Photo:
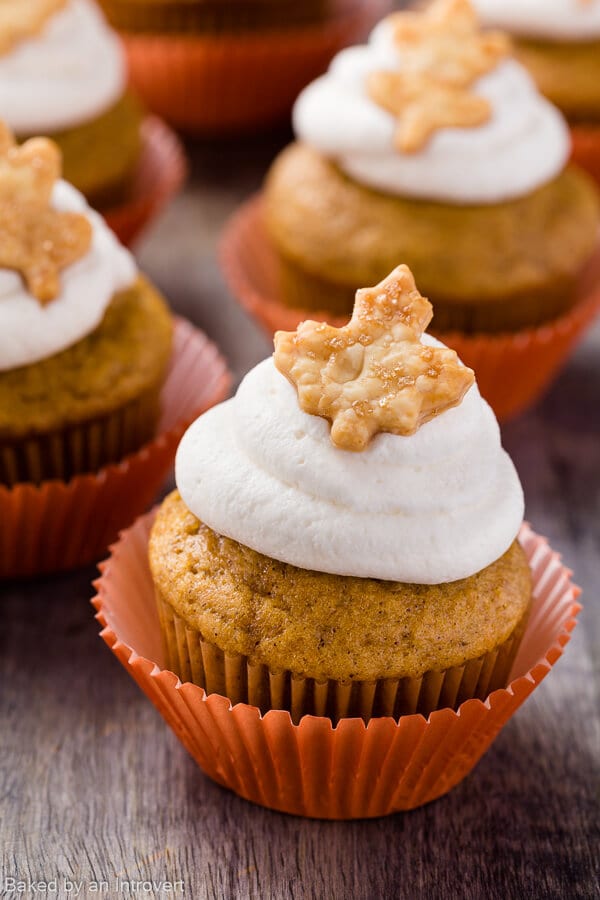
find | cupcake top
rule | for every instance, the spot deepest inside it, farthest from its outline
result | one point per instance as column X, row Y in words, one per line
column 560, row 20
column 60, row 65
column 60, row 264
column 433, row 107
column 364, row 451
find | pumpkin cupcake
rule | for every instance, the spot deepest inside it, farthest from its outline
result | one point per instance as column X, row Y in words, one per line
column 84, row 339
column 62, row 73
column 343, row 537
column 560, row 45
column 432, row 145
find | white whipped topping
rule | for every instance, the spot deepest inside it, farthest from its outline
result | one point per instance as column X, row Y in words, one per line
column 563, row 20
column 524, row 145
column 430, row 508
column 29, row 331
column 73, row 71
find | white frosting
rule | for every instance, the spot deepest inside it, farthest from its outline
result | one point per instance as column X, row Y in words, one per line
column 73, row 71
column 524, row 145
column 29, row 331
column 563, row 20
column 430, row 508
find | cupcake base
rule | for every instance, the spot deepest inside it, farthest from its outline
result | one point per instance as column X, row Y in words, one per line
column 99, row 156
column 197, row 660
column 313, row 769
column 93, row 403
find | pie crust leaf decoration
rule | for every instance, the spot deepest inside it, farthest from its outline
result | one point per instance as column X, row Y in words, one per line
column 423, row 106
column 441, row 53
column 374, row 374
column 36, row 240
column 22, row 19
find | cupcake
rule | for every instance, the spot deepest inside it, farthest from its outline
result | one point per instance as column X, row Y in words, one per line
column 84, row 339
column 432, row 145
column 560, row 45
column 217, row 66
column 343, row 538
column 63, row 74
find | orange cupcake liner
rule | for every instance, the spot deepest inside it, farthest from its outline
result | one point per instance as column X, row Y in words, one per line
column 225, row 82
column 60, row 525
column 513, row 369
column 586, row 148
column 160, row 173
column 313, row 769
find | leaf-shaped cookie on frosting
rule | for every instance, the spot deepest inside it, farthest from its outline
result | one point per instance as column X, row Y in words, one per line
column 374, row 374
column 441, row 53
column 36, row 240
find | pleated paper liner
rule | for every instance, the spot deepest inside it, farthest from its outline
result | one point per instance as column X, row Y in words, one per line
column 586, row 148
column 192, row 658
column 87, row 447
column 313, row 769
column 512, row 369
column 160, row 173
column 61, row 525
column 228, row 82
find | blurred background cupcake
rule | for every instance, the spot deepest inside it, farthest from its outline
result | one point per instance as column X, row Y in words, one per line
column 63, row 73
column 433, row 145
column 559, row 42
column 212, row 66
column 85, row 340
column 97, row 380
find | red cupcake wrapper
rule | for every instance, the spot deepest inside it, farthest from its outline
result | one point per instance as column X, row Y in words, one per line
column 159, row 175
column 512, row 369
column 221, row 82
column 61, row 525
column 313, row 769
column 586, row 148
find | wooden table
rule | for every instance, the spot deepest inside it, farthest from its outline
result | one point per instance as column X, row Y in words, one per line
column 94, row 786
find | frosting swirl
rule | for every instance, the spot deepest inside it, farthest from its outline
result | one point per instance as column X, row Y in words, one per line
column 566, row 20
column 70, row 73
column 30, row 331
column 433, row 507
column 523, row 146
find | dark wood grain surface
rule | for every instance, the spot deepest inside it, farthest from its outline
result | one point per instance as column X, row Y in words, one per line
column 94, row 786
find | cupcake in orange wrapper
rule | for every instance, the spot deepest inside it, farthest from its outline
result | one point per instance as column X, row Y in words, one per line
column 431, row 145
column 342, row 577
column 85, row 348
column 63, row 73
column 217, row 67
column 559, row 42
